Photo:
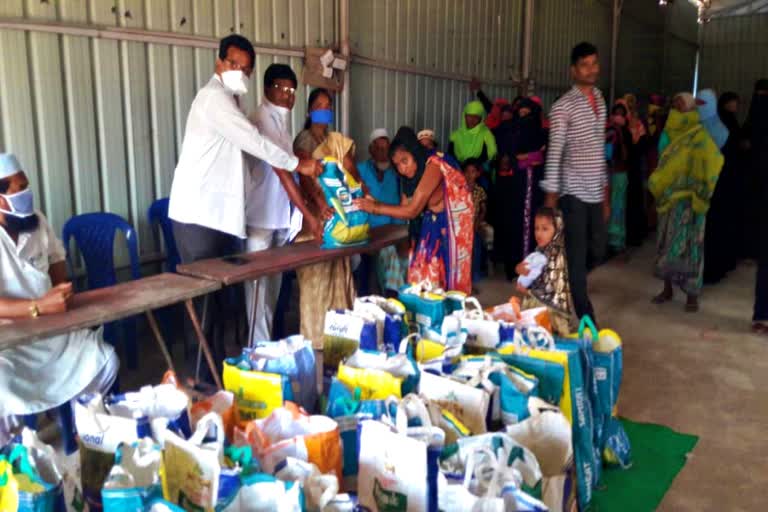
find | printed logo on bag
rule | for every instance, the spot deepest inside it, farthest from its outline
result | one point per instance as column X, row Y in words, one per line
column 388, row 501
column 343, row 326
column 601, row 373
column 93, row 439
column 580, row 406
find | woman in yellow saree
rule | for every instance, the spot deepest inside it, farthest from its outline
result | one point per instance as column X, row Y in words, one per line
column 682, row 185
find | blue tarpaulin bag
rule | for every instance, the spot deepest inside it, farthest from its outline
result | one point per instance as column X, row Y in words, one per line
column 349, row 225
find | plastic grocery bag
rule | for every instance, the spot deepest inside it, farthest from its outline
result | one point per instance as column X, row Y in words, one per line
column 293, row 358
column 425, row 304
column 291, row 432
column 349, row 225
column 257, row 394
column 134, row 481
column 467, row 403
column 190, row 470
column 34, row 477
column 260, row 492
column 319, row 489
column 344, row 332
column 509, row 387
column 390, row 320
column 223, row 404
column 440, row 347
column 400, row 365
column 547, row 433
column 395, row 469
column 482, row 330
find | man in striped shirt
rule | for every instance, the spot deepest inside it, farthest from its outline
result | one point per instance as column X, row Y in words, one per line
column 575, row 177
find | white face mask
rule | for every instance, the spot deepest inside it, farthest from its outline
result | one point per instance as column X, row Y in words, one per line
column 235, row 81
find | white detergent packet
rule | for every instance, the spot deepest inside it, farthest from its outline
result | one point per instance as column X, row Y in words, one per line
column 138, row 466
column 99, row 430
column 319, row 489
column 191, row 469
column 163, row 401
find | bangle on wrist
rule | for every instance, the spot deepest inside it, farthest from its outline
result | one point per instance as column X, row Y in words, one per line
column 34, row 311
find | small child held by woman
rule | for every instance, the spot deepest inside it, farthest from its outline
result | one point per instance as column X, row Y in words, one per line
column 544, row 273
column 473, row 170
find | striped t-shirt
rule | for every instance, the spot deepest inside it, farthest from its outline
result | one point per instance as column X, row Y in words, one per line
column 576, row 152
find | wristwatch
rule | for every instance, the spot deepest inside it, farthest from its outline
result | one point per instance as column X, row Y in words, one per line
column 34, row 311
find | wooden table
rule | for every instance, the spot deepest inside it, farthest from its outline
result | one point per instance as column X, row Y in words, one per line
column 96, row 307
column 279, row 259
column 289, row 257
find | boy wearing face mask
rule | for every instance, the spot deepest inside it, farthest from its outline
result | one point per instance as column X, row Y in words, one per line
column 44, row 374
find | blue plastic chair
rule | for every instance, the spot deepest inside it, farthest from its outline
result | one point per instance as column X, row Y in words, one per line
column 158, row 215
column 94, row 234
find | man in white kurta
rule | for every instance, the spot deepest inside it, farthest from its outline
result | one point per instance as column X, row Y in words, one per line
column 44, row 374
column 274, row 208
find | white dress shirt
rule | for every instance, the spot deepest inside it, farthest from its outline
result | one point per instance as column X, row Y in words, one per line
column 209, row 182
column 267, row 204
column 45, row 373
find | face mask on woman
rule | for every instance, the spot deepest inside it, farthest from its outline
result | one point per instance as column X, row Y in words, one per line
column 235, row 82
column 323, row 116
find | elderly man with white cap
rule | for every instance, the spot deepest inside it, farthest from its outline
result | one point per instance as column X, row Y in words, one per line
column 382, row 182
column 44, row 374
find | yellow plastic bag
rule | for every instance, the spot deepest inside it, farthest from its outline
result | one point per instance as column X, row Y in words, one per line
column 9, row 488
column 257, row 393
column 373, row 384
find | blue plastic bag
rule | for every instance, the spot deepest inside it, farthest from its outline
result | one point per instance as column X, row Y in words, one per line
column 50, row 497
column 121, row 494
column 426, row 308
column 349, row 225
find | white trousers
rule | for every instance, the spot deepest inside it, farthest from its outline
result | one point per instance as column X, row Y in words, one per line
column 101, row 383
column 268, row 287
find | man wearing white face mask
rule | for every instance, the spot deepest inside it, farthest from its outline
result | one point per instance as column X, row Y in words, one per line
column 207, row 203
column 274, row 206
column 208, row 193
column 44, row 374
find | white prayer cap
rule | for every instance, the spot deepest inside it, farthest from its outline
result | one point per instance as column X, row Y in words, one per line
column 8, row 165
column 426, row 134
column 377, row 134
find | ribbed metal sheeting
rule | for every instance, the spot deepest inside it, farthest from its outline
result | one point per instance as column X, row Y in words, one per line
column 558, row 27
column 97, row 123
column 466, row 37
column 641, row 46
column 734, row 55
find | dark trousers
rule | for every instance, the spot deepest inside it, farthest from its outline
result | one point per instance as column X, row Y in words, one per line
column 585, row 244
column 226, row 306
column 761, row 294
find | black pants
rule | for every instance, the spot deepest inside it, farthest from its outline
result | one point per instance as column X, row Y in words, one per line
column 226, row 306
column 585, row 244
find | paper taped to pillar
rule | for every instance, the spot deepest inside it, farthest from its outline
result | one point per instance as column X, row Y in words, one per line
column 323, row 68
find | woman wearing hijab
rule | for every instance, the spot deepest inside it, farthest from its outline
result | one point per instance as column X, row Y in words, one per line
column 517, row 184
column 758, row 121
column 618, row 136
column 327, row 285
column 636, row 218
column 683, row 184
column 474, row 139
column 436, row 200
column 552, row 289
column 722, row 240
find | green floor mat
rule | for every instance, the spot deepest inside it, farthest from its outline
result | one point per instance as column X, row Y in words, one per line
column 658, row 455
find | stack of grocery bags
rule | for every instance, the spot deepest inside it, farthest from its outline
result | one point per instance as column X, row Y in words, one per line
column 428, row 403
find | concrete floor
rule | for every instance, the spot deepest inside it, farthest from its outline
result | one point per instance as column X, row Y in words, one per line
column 703, row 374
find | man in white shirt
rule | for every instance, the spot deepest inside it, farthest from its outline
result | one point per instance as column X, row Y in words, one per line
column 43, row 374
column 207, row 201
column 207, row 204
column 274, row 206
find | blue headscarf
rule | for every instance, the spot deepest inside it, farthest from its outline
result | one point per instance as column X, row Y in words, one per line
column 709, row 118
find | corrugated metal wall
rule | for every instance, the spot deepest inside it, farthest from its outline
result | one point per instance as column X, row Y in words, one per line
column 465, row 37
column 641, row 46
column 98, row 123
column 734, row 55
column 558, row 27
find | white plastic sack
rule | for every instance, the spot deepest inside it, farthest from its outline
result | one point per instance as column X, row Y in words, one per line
column 319, row 489
column 469, row 404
